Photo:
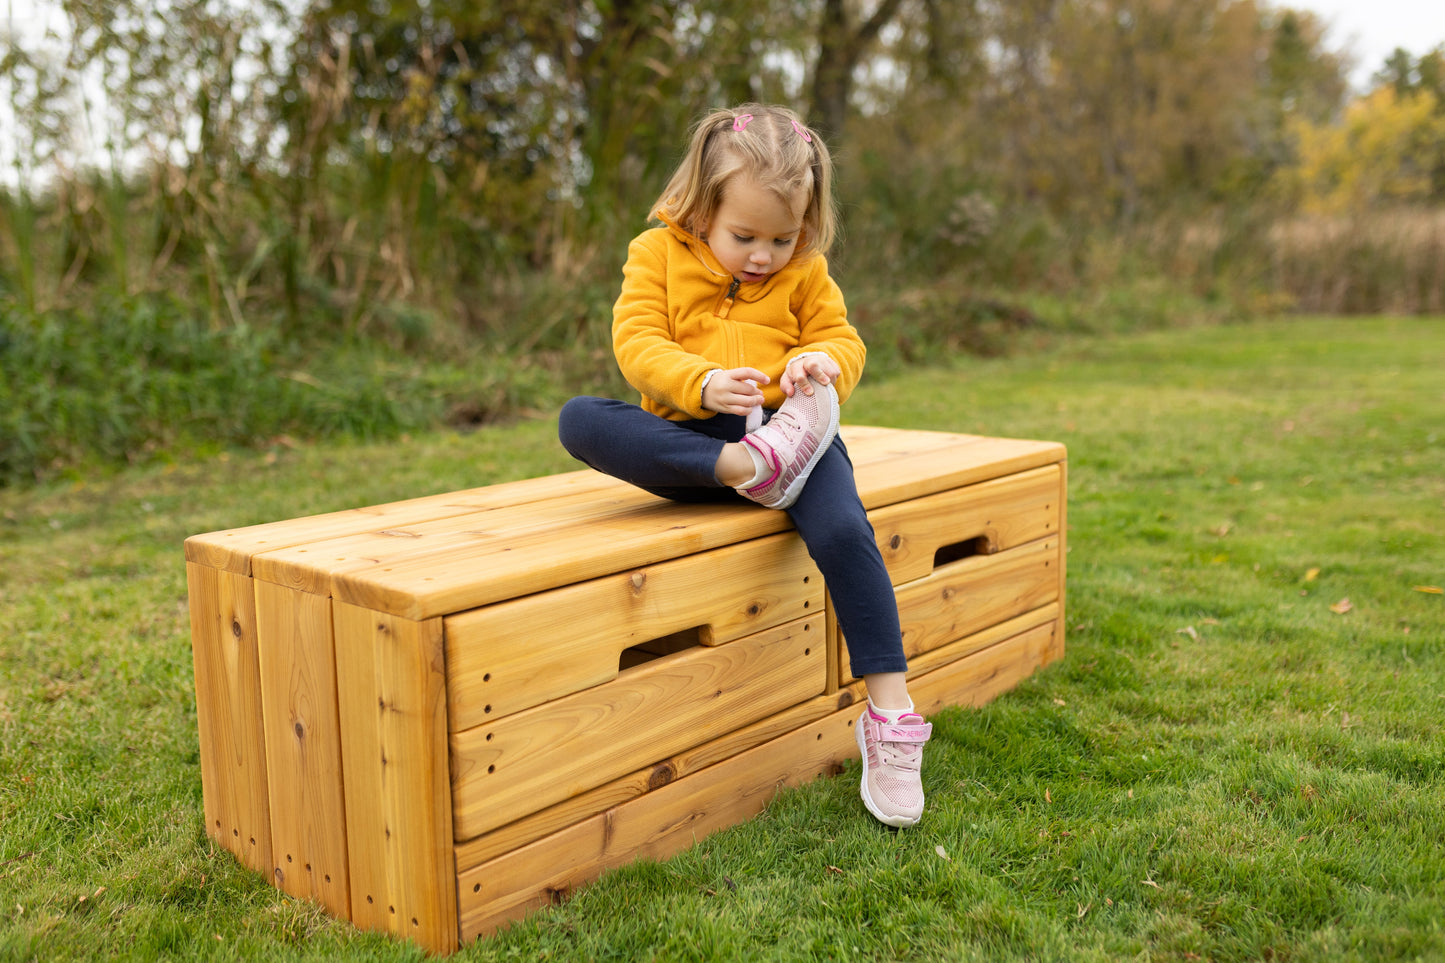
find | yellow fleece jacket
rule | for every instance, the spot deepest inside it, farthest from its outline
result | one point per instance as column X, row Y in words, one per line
column 680, row 316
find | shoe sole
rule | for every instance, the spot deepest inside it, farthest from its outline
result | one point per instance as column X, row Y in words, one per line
column 897, row 822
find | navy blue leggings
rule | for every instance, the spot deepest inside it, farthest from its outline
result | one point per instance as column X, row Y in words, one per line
column 675, row 459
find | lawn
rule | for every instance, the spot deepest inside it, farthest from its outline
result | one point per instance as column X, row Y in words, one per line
column 1239, row 758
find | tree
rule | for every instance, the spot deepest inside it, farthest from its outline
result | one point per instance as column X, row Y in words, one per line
column 841, row 48
column 1386, row 149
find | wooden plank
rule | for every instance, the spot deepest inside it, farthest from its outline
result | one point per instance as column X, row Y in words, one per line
column 1000, row 514
column 510, row 656
column 473, row 852
column 934, row 659
column 527, row 761
column 389, row 673
column 432, row 568
column 314, row 566
column 228, row 714
column 894, row 465
column 233, row 549
column 1063, row 547
column 437, row 572
column 677, row 815
column 653, row 827
column 966, row 596
column 303, row 746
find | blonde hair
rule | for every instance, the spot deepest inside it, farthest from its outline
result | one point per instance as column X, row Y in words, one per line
column 767, row 144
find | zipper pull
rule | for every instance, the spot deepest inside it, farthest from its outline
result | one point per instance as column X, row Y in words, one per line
column 733, row 288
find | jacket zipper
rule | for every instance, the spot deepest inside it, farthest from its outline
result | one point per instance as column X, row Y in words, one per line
column 726, row 308
column 726, row 313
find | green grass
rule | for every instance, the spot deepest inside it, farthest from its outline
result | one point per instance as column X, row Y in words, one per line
column 1223, row 767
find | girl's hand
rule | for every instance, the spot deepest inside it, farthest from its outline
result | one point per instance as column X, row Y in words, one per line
column 734, row 392
column 819, row 367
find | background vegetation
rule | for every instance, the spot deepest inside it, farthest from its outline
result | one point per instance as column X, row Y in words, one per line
column 227, row 222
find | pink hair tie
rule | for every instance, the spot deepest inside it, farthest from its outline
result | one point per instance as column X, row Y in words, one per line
column 741, row 122
column 801, row 132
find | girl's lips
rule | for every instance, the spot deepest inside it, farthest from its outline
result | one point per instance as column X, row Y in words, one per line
column 751, row 276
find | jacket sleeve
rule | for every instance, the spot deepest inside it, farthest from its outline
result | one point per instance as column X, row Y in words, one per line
column 824, row 326
column 642, row 337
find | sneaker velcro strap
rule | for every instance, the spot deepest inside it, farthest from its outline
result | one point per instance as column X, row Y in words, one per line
column 889, row 732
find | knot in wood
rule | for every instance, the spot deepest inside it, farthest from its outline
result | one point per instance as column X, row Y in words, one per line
column 661, row 776
column 639, row 579
column 895, row 541
column 236, row 628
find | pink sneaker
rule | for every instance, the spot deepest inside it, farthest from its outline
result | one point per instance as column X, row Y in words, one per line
column 892, row 788
column 792, row 442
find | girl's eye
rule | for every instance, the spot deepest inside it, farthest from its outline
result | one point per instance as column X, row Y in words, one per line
column 783, row 241
column 742, row 240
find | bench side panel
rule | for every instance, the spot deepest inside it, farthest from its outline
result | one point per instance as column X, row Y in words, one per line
column 392, row 695
column 228, row 713
column 303, row 746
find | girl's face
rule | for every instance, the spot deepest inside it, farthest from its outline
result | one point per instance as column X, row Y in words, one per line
column 752, row 232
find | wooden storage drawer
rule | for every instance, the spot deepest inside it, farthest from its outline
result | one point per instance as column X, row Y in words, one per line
column 969, row 558
column 919, row 536
column 513, row 767
column 509, row 656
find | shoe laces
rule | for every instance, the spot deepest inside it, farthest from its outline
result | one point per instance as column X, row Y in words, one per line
column 900, row 755
column 788, row 424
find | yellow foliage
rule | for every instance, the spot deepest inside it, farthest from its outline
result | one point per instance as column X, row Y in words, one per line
column 1383, row 150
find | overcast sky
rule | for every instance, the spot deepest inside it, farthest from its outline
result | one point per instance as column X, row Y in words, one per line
column 1372, row 29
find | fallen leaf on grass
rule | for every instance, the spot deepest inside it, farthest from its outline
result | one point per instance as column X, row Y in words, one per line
column 1047, row 797
column 1312, row 574
column 1430, row 589
column 839, row 872
column 1342, row 606
column 1189, row 631
column 1149, row 882
column 942, row 852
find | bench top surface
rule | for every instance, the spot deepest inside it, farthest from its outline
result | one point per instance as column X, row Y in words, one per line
column 441, row 554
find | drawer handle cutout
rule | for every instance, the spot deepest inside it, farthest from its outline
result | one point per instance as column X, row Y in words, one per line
column 968, row 548
column 654, row 649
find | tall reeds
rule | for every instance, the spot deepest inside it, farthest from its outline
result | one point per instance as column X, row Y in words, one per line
column 1386, row 261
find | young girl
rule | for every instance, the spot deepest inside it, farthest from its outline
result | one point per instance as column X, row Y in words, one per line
column 738, row 340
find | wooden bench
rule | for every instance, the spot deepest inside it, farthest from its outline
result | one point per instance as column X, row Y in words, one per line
column 435, row 715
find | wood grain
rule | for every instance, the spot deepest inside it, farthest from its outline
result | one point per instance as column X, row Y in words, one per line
column 527, row 761
column 228, row 714
column 513, row 655
column 398, row 799
column 676, row 816
column 303, row 746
